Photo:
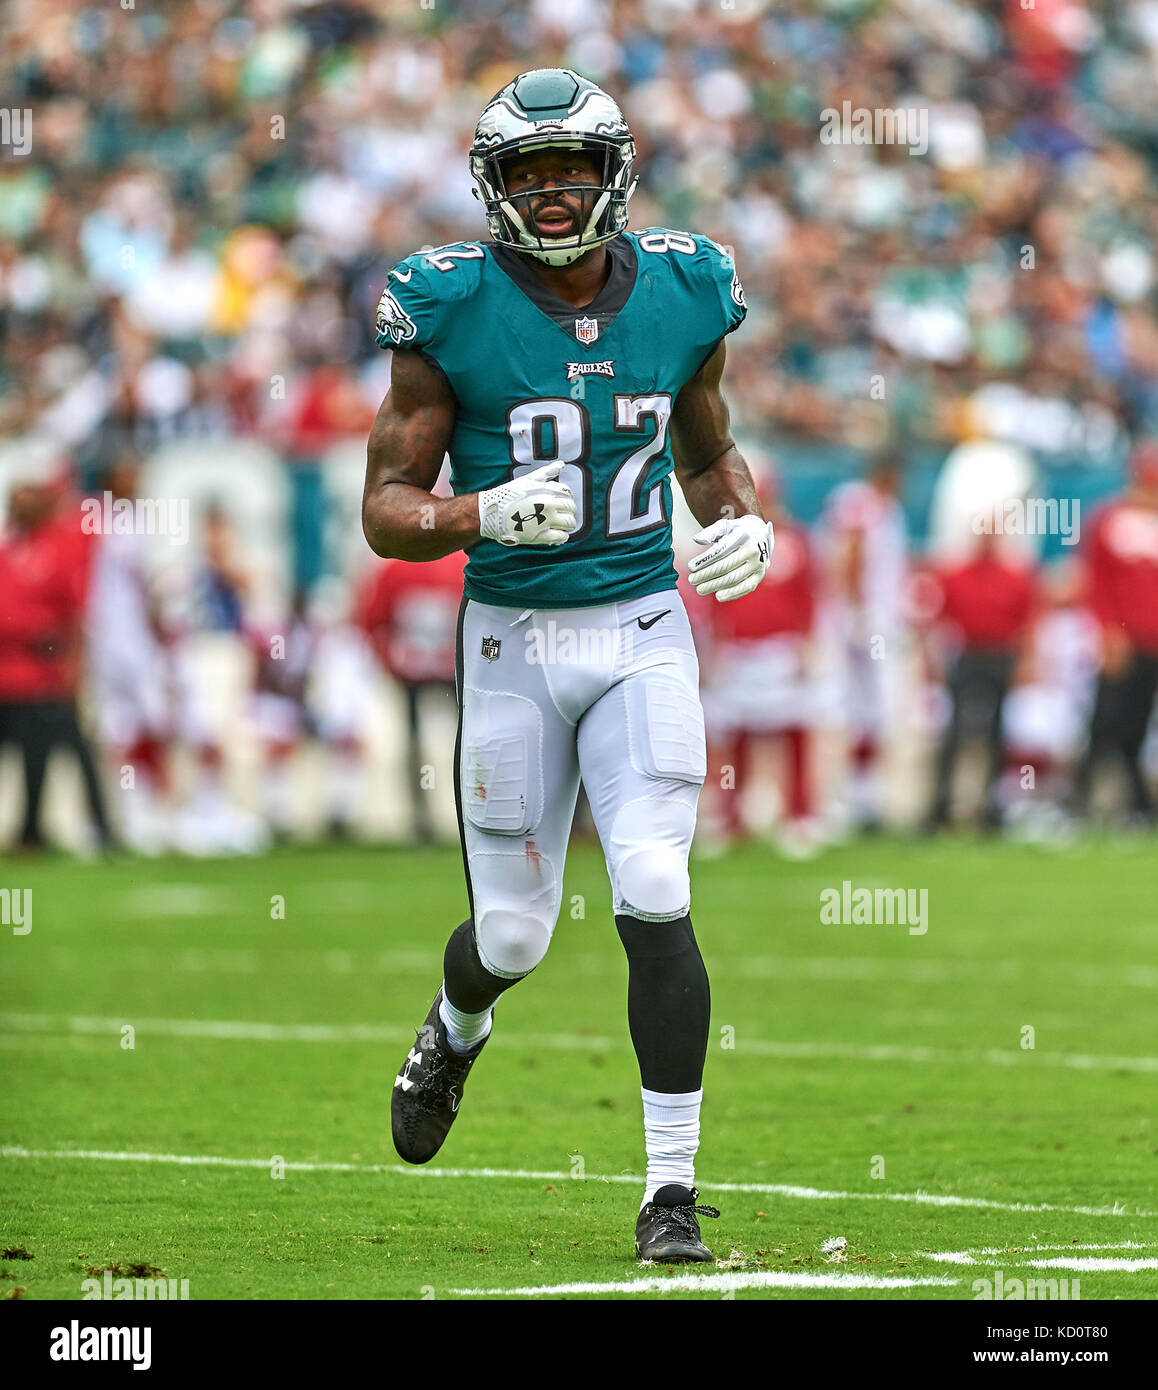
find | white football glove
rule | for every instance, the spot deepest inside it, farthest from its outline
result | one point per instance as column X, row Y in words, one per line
column 736, row 559
column 534, row 509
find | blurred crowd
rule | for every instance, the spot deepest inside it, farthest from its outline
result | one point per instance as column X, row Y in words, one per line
column 200, row 229
column 196, row 229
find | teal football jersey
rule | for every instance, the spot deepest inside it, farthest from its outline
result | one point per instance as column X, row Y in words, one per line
column 538, row 381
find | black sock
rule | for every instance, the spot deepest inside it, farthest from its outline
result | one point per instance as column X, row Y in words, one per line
column 668, row 1002
column 470, row 986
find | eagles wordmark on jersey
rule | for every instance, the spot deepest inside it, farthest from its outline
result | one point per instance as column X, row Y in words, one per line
column 537, row 381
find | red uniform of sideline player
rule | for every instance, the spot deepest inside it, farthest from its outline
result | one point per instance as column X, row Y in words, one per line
column 410, row 614
column 44, row 571
column 986, row 607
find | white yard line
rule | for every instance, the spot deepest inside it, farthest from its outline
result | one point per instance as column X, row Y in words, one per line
column 989, row 1253
column 533, row 1175
column 892, row 970
column 194, row 900
column 1092, row 1264
column 715, row 1283
column 886, row 1052
column 245, row 1030
column 207, row 901
column 222, row 1161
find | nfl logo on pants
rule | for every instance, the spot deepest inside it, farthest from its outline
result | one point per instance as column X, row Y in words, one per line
column 491, row 646
column 586, row 330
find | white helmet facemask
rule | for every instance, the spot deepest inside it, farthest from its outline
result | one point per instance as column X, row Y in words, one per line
column 546, row 109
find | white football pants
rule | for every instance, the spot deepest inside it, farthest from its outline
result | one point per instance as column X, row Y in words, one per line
column 609, row 694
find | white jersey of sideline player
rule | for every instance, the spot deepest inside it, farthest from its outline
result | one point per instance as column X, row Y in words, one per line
column 858, row 508
column 1048, row 715
column 129, row 675
column 126, row 659
column 861, row 629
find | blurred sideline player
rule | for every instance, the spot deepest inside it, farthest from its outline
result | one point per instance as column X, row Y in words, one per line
column 311, row 680
column 129, row 673
column 864, row 525
column 340, row 695
column 44, row 573
column 409, row 613
column 209, row 822
column 566, row 365
column 1122, row 552
column 983, row 621
column 1047, row 711
column 758, row 687
column 282, row 662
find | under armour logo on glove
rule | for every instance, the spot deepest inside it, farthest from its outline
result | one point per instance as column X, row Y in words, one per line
column 540, row 515
column 532, row 509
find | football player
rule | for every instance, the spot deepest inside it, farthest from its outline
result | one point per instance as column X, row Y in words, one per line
column 864, row 525
column 567, row 365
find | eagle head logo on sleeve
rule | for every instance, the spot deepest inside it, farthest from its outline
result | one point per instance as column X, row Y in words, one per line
column 394, row 324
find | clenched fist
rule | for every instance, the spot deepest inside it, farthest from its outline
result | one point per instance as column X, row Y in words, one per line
column 736, row 558
column 534, row 509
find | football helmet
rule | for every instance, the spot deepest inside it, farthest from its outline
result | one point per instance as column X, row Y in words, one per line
column 544, row 108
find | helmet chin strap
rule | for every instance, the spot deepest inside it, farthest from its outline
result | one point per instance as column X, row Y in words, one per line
column 560, row 258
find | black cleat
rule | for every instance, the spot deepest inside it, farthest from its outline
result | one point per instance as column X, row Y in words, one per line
column 667, row 1230
column 428, row 1090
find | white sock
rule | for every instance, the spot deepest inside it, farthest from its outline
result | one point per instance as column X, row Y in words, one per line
column 671, row 1131
column 464, row 1032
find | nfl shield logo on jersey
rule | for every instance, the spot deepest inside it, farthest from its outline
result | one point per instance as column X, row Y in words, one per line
column 586, row 330
column 491, row 646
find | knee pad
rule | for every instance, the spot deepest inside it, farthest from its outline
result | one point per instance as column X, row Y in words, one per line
column 647, row 859
column 516, row 902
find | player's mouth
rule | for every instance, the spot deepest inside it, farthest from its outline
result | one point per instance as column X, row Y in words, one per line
column 554, row 221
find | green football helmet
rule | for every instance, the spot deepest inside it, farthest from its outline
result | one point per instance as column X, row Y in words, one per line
column 545, row 108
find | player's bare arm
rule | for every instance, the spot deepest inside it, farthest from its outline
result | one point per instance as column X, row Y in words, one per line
column 710, row 469
column 718, row 488
column 401, row 517
column 408, row 441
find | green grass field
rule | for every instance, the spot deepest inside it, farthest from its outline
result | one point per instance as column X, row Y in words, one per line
column 837, row 1052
